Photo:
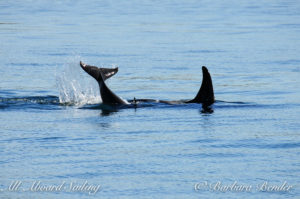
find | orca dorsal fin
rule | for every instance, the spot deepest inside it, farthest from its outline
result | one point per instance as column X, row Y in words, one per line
column 205, row 94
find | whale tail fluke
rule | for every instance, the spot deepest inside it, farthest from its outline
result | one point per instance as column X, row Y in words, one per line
column 100, row 74
column 205, row 95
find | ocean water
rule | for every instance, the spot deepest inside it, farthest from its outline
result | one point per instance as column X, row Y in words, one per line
column 55, row 133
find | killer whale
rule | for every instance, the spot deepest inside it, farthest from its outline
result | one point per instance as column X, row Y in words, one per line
column 101, row 74
column 205, row 95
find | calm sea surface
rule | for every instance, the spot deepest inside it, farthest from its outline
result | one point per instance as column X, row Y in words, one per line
column 53, row 132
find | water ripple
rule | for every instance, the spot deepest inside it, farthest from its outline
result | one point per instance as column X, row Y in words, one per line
column 259, row 146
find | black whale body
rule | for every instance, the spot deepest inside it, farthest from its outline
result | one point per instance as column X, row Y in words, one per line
column 205, row 95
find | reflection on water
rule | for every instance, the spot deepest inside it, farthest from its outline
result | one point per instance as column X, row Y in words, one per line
column 108, row 112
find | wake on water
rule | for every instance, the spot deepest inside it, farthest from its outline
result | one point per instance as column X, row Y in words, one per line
column 75, row 87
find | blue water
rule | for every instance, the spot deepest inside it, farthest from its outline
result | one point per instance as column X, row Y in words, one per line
column 54, row 131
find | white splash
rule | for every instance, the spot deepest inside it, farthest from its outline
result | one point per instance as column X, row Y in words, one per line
column 76, row 87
